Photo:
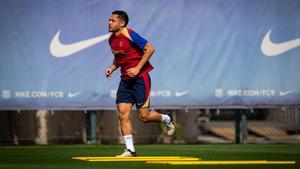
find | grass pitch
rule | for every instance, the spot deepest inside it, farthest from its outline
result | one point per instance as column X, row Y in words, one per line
column 60, row 157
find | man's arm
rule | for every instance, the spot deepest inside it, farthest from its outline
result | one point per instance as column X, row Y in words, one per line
column 148, row 52
column 111, row 69
column 114, row 65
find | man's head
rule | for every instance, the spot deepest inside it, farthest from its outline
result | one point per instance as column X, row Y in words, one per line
column 117, row 20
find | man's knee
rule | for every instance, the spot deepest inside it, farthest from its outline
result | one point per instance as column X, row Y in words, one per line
column 124, row 111
column 123, row 115
column 143, row 118
column 143, row 115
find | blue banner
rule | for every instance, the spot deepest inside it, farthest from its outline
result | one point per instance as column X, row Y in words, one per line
column 209, row 53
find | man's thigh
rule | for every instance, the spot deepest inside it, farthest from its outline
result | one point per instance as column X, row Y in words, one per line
column 124, row 93
column 124, row 109
column 141, row 91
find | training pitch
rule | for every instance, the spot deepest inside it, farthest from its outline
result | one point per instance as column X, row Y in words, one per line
column 270, row 156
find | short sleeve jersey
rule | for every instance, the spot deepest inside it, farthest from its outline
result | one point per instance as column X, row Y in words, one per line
column 128, row 49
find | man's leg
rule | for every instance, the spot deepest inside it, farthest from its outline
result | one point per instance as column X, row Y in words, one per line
column 145, row 116
column 141, row 92
column 124, row 110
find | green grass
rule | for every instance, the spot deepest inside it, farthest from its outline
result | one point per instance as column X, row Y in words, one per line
column 59, row 157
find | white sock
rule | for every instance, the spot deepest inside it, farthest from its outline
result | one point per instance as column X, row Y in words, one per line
column 129, row 142
column 165, row 118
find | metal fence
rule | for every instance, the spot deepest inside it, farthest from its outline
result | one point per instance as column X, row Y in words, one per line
column 192, row 126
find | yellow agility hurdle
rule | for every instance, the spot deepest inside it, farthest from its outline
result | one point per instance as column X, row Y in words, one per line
column 139, row 158
column 220, row 162
column 177, row 160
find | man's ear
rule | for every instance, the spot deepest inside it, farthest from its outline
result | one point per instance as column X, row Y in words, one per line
column 123, row 23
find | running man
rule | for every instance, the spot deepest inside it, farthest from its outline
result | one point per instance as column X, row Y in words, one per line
column 132, row 53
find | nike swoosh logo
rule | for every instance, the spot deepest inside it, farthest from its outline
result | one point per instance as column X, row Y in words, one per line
column 281, row 93
column 73, row 94
column 178, row 94
column 271, row 49
column 59, row 50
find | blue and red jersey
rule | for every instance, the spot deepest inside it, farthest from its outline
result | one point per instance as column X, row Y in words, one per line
column 128, row 49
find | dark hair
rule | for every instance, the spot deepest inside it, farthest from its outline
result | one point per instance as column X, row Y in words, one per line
column 122, row 15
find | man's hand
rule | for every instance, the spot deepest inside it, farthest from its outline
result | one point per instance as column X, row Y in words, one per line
column 132, row 72
column 108, row 72
column 148, row 51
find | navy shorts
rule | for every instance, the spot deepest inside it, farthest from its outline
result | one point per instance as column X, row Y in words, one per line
column 135, row 91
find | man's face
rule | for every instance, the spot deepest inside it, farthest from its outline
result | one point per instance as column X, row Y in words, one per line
column 115, row 24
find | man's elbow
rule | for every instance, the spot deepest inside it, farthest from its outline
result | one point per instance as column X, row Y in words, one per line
column 151, row 48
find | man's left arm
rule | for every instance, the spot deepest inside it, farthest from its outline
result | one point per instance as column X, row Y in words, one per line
column 148, row 52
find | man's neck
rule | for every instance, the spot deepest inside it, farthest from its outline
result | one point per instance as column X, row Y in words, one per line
column 118, row 32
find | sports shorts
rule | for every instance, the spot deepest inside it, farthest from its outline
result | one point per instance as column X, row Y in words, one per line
column 135, row 91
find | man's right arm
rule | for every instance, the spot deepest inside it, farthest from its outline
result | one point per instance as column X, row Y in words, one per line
column 114, row 65
column 111, row 69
